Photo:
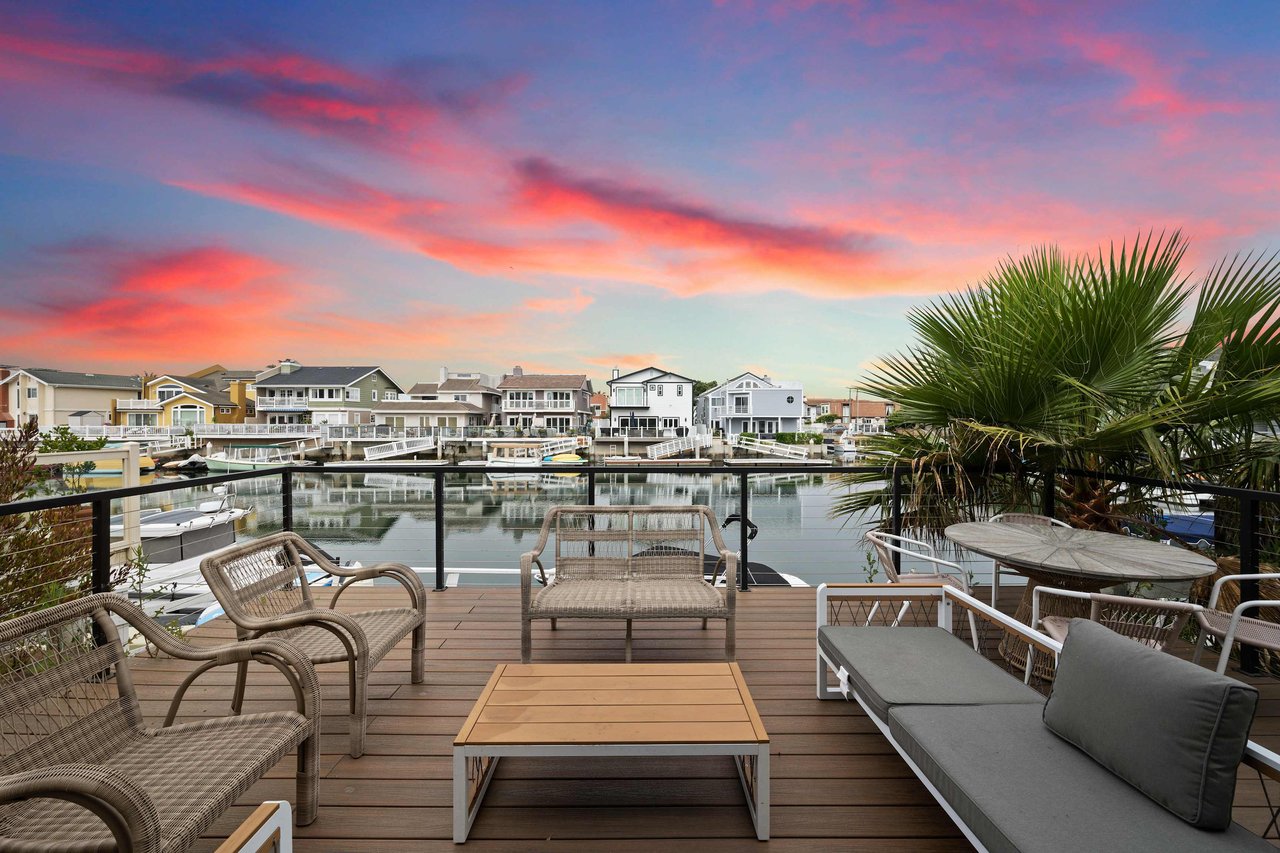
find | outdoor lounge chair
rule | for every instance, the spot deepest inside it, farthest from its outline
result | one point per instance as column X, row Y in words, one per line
column 262, row 586
column 81, row 771
column 1152, row 622
column 1016, row 518
column 947, row 572
column 1234, row 627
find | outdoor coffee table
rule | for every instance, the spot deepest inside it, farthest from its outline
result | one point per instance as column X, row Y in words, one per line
column 587, row 709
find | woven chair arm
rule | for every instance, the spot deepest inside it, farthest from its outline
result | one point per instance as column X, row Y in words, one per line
column 731, row 560
column 121, row 804
column 1225, row 579
column 398, row 572
column 296, row 668
column 526, row 579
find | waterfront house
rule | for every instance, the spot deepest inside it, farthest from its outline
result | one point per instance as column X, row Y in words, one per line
column 753, row 403
column 289, row 393
column 214, row 395
column 651, row 398
column 560, row 401
column 463, row 398
column 65, row 398
column 867, row 417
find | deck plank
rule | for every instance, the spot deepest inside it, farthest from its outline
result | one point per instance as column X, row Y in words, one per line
column 837, row 784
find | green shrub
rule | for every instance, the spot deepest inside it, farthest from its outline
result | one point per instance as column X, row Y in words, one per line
column 798, row 438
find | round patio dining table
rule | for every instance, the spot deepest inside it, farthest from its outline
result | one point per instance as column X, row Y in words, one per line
column 1085, row 560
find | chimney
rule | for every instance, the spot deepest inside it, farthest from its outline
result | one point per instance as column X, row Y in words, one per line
column 444, row 374
column 517, row 371
column 288, row 365
column 615, row 373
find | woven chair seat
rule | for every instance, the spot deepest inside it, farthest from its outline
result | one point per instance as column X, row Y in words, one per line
column 1255, row 632
column 584, row 597
column 630, row 599
column 191, row 772
column 676, row 597
column 382, row 628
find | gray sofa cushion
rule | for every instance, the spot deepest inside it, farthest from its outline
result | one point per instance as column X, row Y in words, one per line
column 1018, row 787
column 918, row 666
column 1173, row 730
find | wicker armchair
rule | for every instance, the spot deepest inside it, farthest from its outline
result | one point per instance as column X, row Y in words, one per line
column 1152, row 622
column 627, row 563
column 1030, row 518
column 944, row 571
column 1231, row 627
column 262, row 586
column 81, row 771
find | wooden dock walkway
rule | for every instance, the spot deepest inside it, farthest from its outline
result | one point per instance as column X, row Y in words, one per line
column 837, row 784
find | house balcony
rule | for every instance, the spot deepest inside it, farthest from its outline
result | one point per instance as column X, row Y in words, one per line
column 282, row 404
column 136, row 405
column 537, row 405
column 837, row 783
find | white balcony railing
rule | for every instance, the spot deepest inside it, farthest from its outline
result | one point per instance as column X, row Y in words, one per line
column 275, row 404
column 537, row 405
column 152, row 405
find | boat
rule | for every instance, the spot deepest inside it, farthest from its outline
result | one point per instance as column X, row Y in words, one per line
column 845, row 447
column 169, row 536
column 251, row 459
column 115, row 467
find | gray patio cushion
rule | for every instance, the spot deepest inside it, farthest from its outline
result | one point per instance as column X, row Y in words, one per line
column 1018, row 787
column 1173, row 730
column 918, row 666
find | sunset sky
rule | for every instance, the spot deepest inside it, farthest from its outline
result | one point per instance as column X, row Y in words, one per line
column 708, row 186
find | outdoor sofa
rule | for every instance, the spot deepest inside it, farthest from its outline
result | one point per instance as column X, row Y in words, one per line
column 627, row 563
column 1135, row 750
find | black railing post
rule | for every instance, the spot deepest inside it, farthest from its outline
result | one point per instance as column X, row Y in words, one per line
column 1249, row 660
column 1049, row 498
column 439, row 508
column 286, row 498
column 895, row 510
column 101, row 541
column 591, row 487
column 744, row 487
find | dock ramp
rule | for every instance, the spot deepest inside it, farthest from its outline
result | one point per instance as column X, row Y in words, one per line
column 403, row 447
column 770, row 448
column 679, row 445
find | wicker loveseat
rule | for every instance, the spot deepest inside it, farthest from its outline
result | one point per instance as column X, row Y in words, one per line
column 81, row 771
column 627, row 563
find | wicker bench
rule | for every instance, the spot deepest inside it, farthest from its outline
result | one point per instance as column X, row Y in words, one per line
column 81, row 770
column 627, row 563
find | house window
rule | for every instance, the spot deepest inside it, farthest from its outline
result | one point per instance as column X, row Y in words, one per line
column 460, row 398
column 660, row 387
column 558, row 423
column 168, row 392
column 520, row 399
column 559, row 400
column 396, row 421
column 32, row 393
column 188, row 415
column 353, row 394
column 224, row 410
column 670, row 423
column 791, row 399
column 373, row 395
column 679, row 390
column 740, row 404
column 629, row 395
column 390, row 395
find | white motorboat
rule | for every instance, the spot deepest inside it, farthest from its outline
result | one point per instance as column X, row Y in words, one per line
column 172, row 535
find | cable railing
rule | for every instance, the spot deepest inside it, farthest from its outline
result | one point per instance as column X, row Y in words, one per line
column 468, row 524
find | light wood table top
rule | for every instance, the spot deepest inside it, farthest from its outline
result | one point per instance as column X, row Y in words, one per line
column 637, row 703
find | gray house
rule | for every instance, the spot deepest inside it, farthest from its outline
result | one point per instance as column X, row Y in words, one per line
column 752, row 403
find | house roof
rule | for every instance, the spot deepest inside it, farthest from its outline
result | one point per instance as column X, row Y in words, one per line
column 427, row 406
column 207, row 388
column 70, row 379
column 465, row 385
column 554, row 381
column 326, row 376
column 658, row 374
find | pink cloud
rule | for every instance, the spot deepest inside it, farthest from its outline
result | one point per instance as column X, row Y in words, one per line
column 574, row 303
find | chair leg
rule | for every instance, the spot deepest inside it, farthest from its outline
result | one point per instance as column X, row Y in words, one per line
column 704, row 624
column 628, row 641
column 419, row 653
column 308, row 778
column 973, row 631
column 359, row 711
column 729, row 639
column 526, row 640
column 553, row 624
column 1202, row 643
column 242, row 676
column 995, row 586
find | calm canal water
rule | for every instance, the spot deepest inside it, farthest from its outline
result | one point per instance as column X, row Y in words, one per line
column 488, row 525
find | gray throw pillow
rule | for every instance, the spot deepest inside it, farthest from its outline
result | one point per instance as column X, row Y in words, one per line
column 1173, row 730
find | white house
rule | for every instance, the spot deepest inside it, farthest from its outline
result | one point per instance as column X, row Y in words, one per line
column 458, row 399
column 752, row 403
column 651, row 398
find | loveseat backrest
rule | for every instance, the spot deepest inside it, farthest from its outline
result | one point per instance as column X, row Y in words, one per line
column 616, row 543
column 65, row 691
column 261, row 579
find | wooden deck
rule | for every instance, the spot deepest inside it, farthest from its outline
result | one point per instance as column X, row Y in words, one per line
column 837, row 784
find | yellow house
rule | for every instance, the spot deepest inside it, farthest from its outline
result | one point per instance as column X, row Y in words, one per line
column 213, row 395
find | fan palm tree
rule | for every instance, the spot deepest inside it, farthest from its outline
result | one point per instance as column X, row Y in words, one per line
column 1112, row 362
